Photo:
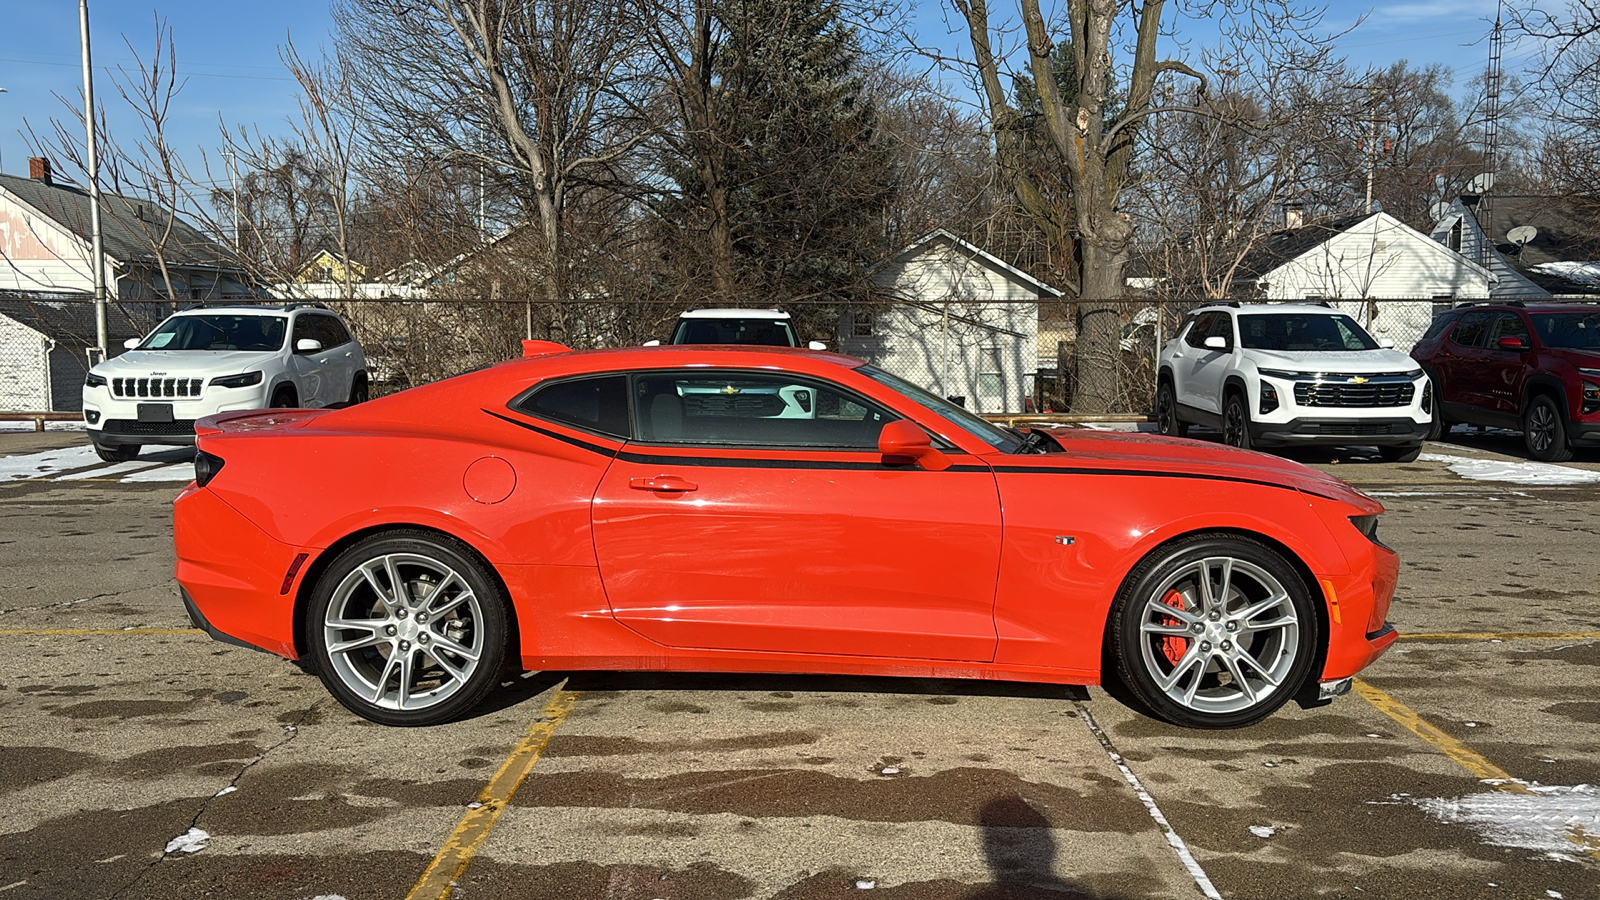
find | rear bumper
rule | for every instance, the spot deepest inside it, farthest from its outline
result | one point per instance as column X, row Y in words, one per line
column 233, row 574
column 1367, row 432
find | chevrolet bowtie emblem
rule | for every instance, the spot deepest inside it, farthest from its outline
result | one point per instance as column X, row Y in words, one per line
column 1357, row 379
column 730, row 389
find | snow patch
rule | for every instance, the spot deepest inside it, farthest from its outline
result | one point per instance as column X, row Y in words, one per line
column 1553, row 819
column 191, row 841
column 46, row 463
column 1263, row 831
column 1576, row 272
column 176, row 472
column 1513, row 471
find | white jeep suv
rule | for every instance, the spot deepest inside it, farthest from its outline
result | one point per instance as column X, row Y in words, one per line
column 761, row 327
column 1275, row 375
column 212, row 360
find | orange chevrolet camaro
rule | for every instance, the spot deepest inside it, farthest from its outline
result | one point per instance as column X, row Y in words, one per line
column 737, row 509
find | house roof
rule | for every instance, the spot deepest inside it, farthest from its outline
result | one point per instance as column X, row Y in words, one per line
column 1562, row 236
column 1290, row 244
column 125, row 223
column 70, row 323
column 971, row 251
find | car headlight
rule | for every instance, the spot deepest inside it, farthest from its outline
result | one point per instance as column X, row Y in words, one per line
column 1291, row 376
column 1590, row 373
column 1414, row 373
column 1591, row 396
column 94, row 380
column 237, row 381
column 1269, row 398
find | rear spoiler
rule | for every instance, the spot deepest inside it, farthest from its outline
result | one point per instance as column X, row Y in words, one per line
column 531, row 349
column 253, row 420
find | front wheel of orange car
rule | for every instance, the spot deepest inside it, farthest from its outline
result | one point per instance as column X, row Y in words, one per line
column 1214, row 631
column 408, row 628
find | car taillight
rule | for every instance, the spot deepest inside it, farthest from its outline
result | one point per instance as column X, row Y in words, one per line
column 206, row 467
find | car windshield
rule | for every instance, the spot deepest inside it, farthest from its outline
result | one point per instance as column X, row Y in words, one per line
column 968, row 421
column 1303, row 331
column 761, row 332
column 1568, row 330
column 218, row 332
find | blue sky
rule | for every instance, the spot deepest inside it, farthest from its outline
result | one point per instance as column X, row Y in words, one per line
column 229, row 52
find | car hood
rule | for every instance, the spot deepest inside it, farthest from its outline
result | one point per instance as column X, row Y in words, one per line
column 1341, row 361
column 182, row 363
column 1154, row 452
column 1584, row 359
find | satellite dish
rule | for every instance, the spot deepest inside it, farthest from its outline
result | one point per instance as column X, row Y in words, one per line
column 1482, row 184
column 1522, row 235
column 1440, row 210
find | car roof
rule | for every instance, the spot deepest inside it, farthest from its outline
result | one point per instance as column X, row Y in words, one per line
column 733, row 313
column 234, row 311
column 671, row 356
column 1528, row 307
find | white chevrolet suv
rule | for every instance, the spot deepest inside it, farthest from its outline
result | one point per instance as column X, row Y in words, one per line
column 212, row 360
column 1276, row 375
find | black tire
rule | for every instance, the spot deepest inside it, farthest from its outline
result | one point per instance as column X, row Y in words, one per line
column 1544, row 431
column 1400, row 454
column 1236, row 421
column 116, row 452
column 358, row 389
column 285, row 398
column 1166, row 412
column 424, row 655
column 1192, row 678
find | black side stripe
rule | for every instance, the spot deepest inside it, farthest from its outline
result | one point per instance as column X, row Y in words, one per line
column 593, row 448
column 1153, row 473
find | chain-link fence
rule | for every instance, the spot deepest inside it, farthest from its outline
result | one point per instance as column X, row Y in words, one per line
column 1053, row 356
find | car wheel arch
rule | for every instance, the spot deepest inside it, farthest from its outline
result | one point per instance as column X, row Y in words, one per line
column 1235, row 383
column 324, row 558
column 1550, row 386
column 1294, row 559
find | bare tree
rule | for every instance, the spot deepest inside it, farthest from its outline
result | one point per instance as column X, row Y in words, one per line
column 1094, row 122
column 541, row 91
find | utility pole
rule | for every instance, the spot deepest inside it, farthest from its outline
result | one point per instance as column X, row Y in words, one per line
column 97, row 253
column 233, row 191
column 1491, row 136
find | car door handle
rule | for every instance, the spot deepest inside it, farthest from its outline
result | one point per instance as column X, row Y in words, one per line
column 663, row 483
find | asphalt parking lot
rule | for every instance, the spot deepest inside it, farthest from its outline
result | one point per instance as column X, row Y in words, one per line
column 138, row 758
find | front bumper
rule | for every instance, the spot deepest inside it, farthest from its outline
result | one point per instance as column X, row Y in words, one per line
column 117, row 421
column 1365, row 431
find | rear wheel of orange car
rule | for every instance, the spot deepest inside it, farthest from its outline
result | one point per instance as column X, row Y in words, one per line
column 407, row 628
column 1214, row 631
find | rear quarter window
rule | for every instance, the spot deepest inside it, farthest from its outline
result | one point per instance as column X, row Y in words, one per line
column 592, row 404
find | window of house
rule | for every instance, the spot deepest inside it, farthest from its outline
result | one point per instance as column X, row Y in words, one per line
column 861, row 322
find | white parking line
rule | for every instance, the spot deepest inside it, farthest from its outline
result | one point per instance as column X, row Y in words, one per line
column 1201, row 880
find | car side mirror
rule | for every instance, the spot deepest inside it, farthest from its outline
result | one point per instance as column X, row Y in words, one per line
column 1217, row 342
column 307, row 345
column 1512, row 342
column 652, row 343
column 131, row 343
column 817, row 345
column 904, row 439
column 1386, row 343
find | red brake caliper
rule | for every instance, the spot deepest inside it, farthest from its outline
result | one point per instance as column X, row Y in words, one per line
column 1173, row 646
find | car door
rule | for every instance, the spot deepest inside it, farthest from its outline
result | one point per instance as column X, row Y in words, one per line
column 1503, row 370
column 728, row 525
column 339, row 353
column 1462, row 363
column 307, row 367
column 1206, row 366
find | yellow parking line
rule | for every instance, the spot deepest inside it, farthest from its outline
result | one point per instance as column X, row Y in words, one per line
column 31, row 632
column 1469, row 759
column 1503, row 636
column 440, row 876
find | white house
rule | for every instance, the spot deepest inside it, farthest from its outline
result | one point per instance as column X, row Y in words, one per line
column 44, row 348
column 45, row 245
column 955, row 320
column 1367, row 257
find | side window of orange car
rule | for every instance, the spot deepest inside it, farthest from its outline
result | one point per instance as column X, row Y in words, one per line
column 593, row 404
column 753, row 409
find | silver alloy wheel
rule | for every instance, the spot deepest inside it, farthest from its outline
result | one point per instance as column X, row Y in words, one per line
column 1541, row 427
column 403, row 631
column 1219, row 635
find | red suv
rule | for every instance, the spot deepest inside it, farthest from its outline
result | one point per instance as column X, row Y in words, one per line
column 1530, row 367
